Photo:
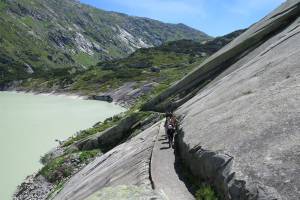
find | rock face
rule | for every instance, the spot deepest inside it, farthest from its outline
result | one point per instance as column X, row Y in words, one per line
column 110, row 137
column 241, row 132
column 259, row 33
column 102, row 98
column 127, row 164
column 128, row 94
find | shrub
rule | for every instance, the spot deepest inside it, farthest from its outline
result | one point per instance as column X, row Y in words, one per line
column 56, row 170
column 86, row 155
column 99, row 127
column 205, row 192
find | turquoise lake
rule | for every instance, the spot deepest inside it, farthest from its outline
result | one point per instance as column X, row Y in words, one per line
column 29, row 125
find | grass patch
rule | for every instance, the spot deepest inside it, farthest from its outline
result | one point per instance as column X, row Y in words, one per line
column 91, row 131
column 84, row 156
column 205, row 192
column 85, row 59
column 2, row 5
column 56, row 170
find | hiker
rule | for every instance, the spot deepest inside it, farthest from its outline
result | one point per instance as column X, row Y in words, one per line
column 170, row 133
column 168, row 118
column 173, row 121
column 170, row 125
column 169, row 114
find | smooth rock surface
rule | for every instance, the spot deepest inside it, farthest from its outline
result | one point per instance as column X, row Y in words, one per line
column 127, row 164
column 124, row 192
column 257, row 34
column 252, row 112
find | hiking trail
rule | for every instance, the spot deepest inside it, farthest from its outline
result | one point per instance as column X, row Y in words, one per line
column 165, row 179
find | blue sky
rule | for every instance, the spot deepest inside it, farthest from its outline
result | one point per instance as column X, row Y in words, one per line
column 214, row 17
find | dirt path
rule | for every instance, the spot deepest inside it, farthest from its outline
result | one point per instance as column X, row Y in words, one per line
column 165, row 179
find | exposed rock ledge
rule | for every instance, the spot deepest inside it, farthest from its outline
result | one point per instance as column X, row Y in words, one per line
column 127, row 164
column 126, row 95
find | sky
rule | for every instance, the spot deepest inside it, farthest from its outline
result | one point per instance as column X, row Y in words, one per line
column 214, row 17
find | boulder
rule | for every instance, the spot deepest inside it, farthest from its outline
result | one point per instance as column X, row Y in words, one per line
column 107, row 98
column 155, row 69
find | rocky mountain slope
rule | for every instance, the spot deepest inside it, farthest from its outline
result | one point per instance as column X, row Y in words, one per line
column 125, row 80
column 157, row 68
column 42, row 37
column 239, row 126
column 240, row 122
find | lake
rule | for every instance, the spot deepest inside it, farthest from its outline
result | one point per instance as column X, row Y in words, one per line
column 29, row 125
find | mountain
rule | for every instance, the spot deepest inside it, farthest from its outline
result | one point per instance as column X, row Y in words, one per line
column 238, row 113
column 130, row 81
column 238, row 136
column 45, row 36
column 144, row 71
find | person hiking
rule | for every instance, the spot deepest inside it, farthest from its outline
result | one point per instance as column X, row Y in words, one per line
column 170, row 125
column 170, row 133
column 173, row 121
column 168, row 118
column 169, row 114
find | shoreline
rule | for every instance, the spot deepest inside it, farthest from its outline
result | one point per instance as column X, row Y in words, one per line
column 64, row 94
column 53, row 93
column 125, row 96
column 33, row 180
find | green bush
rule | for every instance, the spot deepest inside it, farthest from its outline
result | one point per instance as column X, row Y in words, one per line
column 86, row 155
column 56, row 170
column 46, row 158
column 91, row 131
column 205, row 192
column 62, row 167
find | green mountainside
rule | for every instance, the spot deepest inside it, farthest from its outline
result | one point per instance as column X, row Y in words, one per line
column 50, row 37
column 158, row 66
column 164, row 64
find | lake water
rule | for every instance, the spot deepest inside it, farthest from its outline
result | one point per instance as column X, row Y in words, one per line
column 29, row 125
